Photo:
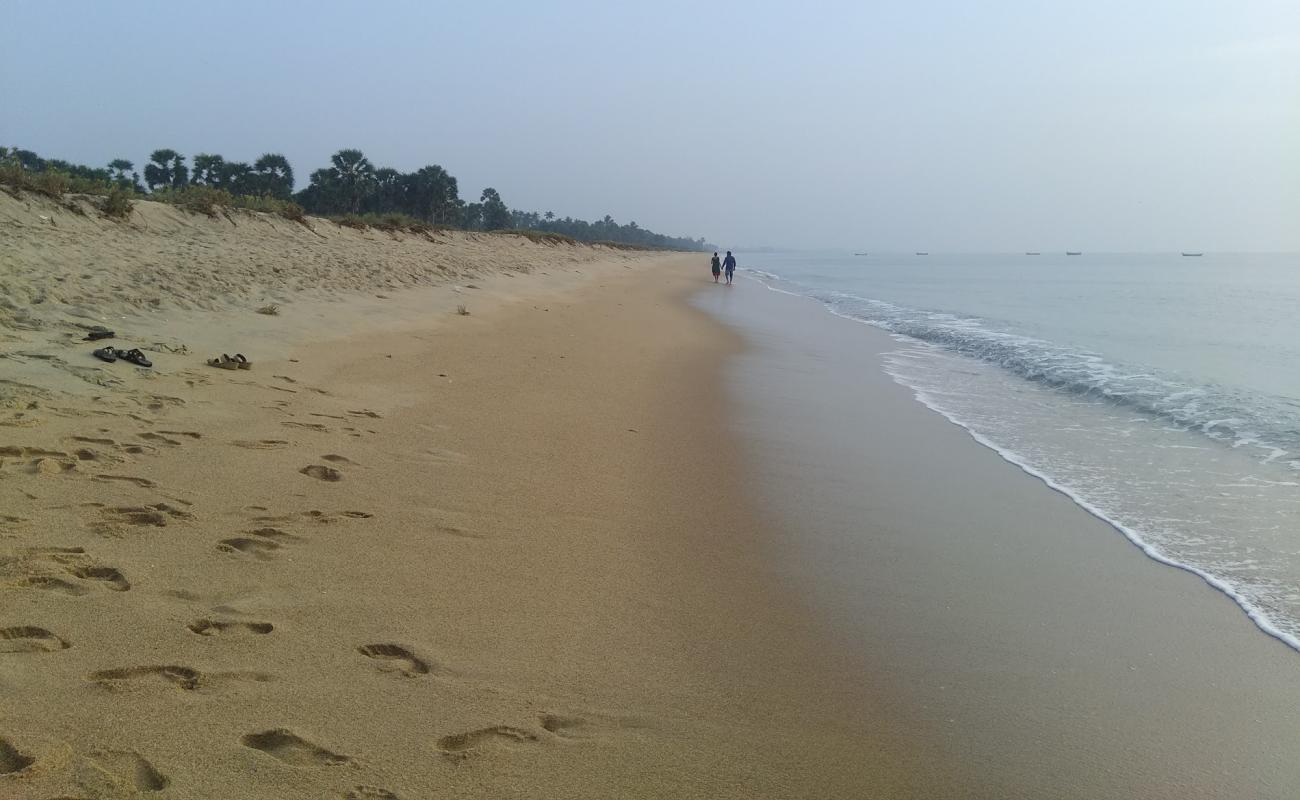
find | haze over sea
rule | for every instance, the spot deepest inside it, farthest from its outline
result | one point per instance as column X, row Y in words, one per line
column 1159, row 391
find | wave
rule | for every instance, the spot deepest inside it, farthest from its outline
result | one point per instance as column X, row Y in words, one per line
column 1239, row 418
column 1243, row 595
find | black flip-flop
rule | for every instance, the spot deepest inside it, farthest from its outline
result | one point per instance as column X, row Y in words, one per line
column 135, row 357
column 243, row 362
column 96, row 334
column 108, row 354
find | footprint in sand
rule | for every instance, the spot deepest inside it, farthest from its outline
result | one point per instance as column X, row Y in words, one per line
column 292, row 749
column 326, row 517
column 464, row 745
column 258, row 548
column 143, row 483
column 93, row 440
column 261, row 543
column 260, row 444
column 112, row 773
column 369, row 793
column 74, row 561
column 322, row 472
column 11, row 760
column 337, row 459
column 395, row 658
column 184, row 677
column 15, row 451
column 30, row 639
column 111, row 578
column 186, row 434
column 151, row 516
column 311, row 426
column 214, row 627
column 158, row 438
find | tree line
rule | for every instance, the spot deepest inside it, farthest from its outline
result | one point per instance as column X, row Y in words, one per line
column 350, row 186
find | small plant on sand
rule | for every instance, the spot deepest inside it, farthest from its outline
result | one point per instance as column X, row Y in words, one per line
column 542, row 237
column 49, row 183
column 351, row 221
column 196, row 199
column 464, row 312
column 293, row 211
column 117, row 204
column 270, row 309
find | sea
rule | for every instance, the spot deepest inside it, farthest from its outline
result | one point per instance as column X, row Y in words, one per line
column 1160, row 392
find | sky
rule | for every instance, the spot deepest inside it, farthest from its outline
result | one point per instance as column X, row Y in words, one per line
column 938, row 125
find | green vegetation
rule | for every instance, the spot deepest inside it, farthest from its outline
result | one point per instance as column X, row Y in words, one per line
column 117, row 203
column 351, row 192
column 198, row 199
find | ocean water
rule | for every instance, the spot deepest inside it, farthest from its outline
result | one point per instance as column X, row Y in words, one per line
column 1160, row 392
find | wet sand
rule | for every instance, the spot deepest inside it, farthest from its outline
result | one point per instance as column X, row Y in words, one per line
column 1030, row 648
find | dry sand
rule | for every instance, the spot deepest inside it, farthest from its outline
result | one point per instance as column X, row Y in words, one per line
column 410, row 553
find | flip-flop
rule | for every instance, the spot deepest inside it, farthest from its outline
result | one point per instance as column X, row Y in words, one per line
column 98, row 333
column 108, row 354
column 242, row 362
column 135, row 357
column 225, row 362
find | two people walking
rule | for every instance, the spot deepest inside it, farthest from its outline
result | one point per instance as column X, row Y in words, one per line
column 728, row 264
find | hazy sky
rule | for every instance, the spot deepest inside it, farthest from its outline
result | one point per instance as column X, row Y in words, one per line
column 1004, row 126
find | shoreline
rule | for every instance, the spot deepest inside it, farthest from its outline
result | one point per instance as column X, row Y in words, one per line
column 1012, row 624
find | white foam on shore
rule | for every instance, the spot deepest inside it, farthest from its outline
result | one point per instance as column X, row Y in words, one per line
column 1256, row 614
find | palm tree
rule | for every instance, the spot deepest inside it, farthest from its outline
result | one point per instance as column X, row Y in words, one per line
column 275, row 175
column 355, row 175
column 208, row 169
column 167, row 169
column 237, row 178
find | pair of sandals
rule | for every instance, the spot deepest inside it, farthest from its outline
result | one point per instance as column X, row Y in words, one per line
column 134, row 356
column 227, row 362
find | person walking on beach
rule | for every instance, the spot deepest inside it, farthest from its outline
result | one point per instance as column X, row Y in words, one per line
column 717, row 267
column 729, row 264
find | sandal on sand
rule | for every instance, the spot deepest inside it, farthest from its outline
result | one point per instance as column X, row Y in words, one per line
column 225, row 362
column 243, row 363
column 98, row 332
column 135, row 357
column 108, row 354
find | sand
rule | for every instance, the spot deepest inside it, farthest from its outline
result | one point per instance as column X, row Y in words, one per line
column 410, row 553
column 583, row 541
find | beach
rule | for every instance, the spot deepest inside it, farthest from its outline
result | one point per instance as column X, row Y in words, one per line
column 410, row 552
column 490, row 517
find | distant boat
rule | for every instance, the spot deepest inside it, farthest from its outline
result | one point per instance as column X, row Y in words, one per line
column 1074, row 252
column 1193, row 254
column 1031, row 254
column 859, row 254
column 923, row 254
